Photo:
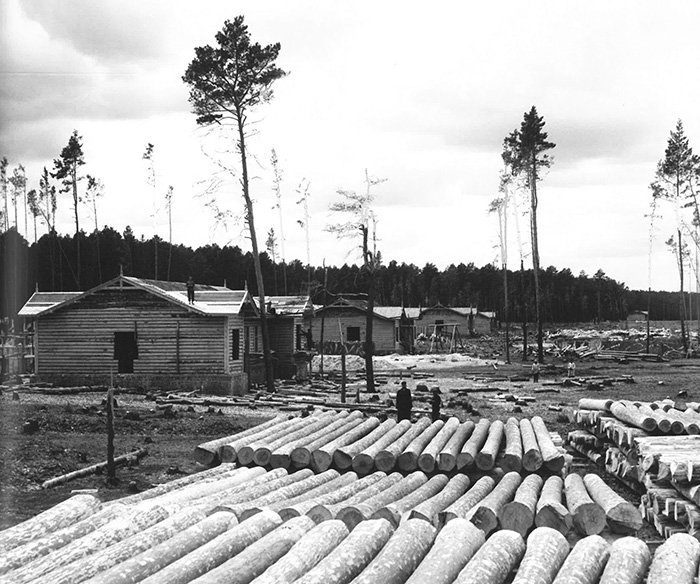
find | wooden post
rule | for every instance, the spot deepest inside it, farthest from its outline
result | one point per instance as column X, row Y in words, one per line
column 177, row 348
column 111, row 468
column 343, row 376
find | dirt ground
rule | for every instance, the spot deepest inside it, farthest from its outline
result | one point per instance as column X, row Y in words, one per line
column 72, row 428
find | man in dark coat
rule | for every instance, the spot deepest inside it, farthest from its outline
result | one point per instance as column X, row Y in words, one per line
column 404, row 402
column 436, row 402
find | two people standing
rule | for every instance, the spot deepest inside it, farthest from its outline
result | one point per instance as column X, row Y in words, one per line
column 404, row 403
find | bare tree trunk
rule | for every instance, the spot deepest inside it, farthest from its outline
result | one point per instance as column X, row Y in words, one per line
column 369, row 343
column 682, row 294
column 536, row 259
column 111, row 467
column 74, row 175
column 267, row 355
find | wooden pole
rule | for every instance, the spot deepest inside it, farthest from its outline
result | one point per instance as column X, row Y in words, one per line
column 111, row 467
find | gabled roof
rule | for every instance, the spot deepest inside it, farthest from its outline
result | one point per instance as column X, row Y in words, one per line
column 358, row 305
column 290, row 305
column 209, row 300
column 461, row 310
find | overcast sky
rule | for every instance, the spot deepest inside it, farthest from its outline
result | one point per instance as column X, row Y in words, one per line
column 419, row 94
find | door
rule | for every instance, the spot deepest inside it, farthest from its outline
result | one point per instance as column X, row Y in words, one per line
column 125, row 350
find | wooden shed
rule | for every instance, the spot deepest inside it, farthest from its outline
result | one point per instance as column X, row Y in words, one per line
column 444, row 321
column 138, row 332
column 289, row 324
column 345, row 320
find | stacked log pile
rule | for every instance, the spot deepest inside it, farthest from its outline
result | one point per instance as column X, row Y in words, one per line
column 654, row 448
column 345, row 440
column 229, row 523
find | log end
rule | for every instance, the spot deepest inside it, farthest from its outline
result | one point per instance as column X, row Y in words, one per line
column 385, row 461
column 446, row 462
column 362, row 464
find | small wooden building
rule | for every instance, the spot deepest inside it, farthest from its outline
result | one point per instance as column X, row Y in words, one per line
column 138, row 332
column 483, row 323
column 442, row 321
column 346, row 321
column 289, row 324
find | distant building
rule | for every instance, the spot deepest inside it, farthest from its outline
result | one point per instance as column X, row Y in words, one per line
column 638, row 316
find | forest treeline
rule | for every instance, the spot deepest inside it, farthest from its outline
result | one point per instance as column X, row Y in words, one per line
column 49, row 265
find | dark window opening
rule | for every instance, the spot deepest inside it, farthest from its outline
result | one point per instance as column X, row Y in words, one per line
column 235, row 344
column 353, row 334
column 298, row 335
column 125, row 351
column 438, row 327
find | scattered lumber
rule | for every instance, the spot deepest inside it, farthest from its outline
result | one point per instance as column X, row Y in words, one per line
column 128, row 458
column 550, row 512
column 622, row 516
column 454, row 546
column 586, row 561
column 546, row 551
column 519, row 514
column 401, row 555
column 588, row 517
column 494, row 560
column 628, row 563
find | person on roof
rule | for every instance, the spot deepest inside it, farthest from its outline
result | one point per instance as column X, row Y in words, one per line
column 190, row 290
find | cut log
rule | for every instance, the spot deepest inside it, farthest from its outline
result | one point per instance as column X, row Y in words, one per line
column 128, row 458
column 209, row 453
column 585, row 563
column 466, row 458
column 263, row 451
column 19, row 556
column 300, row 490
column 546, row 551
column 587, row 403
column 301, row 455
column 519, row 514
column 214, row 553
column 243, row 449
column 513, row 452
column 622, row 516
column 260, row 555
column 588, row 517
column 408, row 459
column 93, row 564
column 550, row 511
column 281, row 457
column 351, row 556
column 532, row 457
column 494, row 560
column 109, row 534
column 454, row 546
column 628, row 563
column 363, row 462
column 472, row 497
column 322, row 457
column 305, row 554
column 57, row 517
column 631, row 415
column 428, row 458
column 332, row 486
column 393, row 512
column 343, row 455
column 447, row 459
column 342, row 494
column 324, row 512
column 675, row 561
column 385, row 460
column 485, row 513
column 430, row 509
column 486, row 457
column 401, row 555
column 351, row 515
column 552, row 457
column 157, row 558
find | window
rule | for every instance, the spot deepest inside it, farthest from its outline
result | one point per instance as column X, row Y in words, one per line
column 353, row 334
column 297, row 335
column 235, row 344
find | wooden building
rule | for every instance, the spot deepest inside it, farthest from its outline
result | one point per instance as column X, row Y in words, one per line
column 444, row 321
column 138, row 332
column 483, row 323
column 289, row 325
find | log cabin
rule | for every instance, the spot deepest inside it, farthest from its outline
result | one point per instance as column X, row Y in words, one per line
column 289, row 324
column 143, row 333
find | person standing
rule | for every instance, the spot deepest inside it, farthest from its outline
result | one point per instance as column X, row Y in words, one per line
column 404, row 403
column 435, row 402
column 571, row 369
column 535, row 372
column 190, row 290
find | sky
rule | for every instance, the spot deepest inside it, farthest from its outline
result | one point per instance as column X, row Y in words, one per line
column 419, row 95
